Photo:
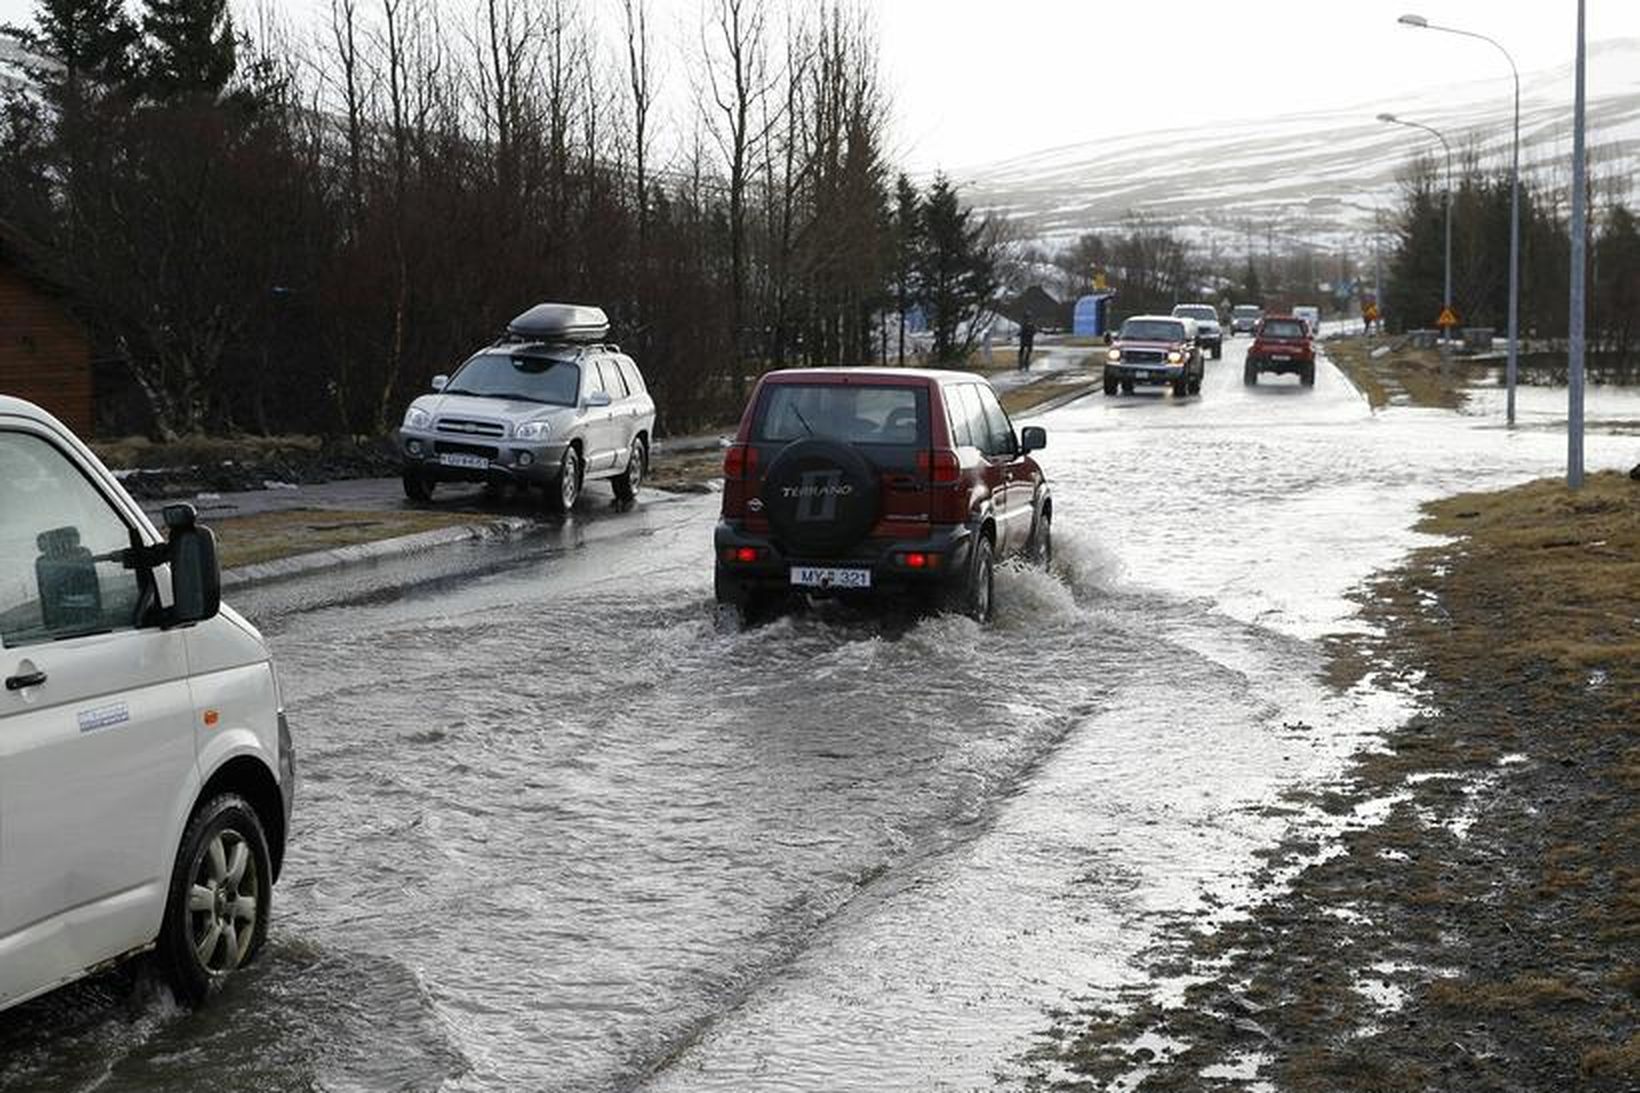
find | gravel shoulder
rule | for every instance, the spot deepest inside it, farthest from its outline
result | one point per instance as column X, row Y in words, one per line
column 1464, row 908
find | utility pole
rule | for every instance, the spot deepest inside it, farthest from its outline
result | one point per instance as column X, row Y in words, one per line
column 1580, row 216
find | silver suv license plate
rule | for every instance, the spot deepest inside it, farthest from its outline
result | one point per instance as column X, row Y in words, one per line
column 462, row 459
column 812, row 576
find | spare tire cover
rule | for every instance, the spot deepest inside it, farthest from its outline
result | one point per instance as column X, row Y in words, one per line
column 821, row 496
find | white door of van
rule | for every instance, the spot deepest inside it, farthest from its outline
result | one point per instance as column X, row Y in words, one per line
column 96, row 727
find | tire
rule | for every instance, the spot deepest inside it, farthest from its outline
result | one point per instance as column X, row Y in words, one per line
column 1218, row 351
column 628, row 482
column 1196, row 386
column 417, row 488
column 221, row 887
column 1040, row 551
column 749, row 607
column 565, row 489
column 1110, row 384
column 1249, row 374
column 973, row 596
column 1308, row 377
column 1181, row 388
column 1127, row 387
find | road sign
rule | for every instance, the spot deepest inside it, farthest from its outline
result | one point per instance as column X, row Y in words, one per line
column 1449, row 318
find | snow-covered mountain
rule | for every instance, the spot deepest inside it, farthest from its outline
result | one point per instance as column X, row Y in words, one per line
column 1313, row 179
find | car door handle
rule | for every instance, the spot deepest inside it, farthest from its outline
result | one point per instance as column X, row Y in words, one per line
column 31, row 679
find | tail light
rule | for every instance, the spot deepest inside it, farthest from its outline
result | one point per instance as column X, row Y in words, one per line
column 940, row 466
column 740, row 462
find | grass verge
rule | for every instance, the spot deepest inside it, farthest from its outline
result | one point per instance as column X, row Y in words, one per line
column 1416, row 374
column 268, row 536
column 1499, row 899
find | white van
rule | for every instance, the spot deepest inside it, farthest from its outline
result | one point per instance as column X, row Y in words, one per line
column 146, row 770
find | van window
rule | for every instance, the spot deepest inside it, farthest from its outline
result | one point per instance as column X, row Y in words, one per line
column 60, row 576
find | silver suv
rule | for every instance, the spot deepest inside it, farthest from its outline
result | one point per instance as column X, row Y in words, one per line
column 1209, row 334
column 548, row 404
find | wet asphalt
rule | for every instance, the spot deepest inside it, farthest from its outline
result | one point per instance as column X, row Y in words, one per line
column 561, row 828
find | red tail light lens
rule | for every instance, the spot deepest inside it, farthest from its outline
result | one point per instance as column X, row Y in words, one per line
column 940, row 466
column 744, row 555
column 740, row 462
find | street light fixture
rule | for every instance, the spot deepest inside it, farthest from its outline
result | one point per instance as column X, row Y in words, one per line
column 1421, row 23
column 1391, row 119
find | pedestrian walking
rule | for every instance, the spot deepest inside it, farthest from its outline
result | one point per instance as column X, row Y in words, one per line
column 1027, row 339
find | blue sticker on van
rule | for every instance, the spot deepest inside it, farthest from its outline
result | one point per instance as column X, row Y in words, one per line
column 104, row 717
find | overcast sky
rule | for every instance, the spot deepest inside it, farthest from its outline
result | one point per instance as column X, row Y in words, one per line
column 978, row 80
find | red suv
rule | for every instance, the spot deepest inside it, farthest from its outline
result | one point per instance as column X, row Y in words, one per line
column 1281, row 344
column 869, row 483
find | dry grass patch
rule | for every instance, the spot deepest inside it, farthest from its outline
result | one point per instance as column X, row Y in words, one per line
column 269, row 536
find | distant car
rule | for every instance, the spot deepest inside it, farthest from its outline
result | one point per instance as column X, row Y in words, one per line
column 1209, row 334
column 866, row 484
column 1312, row 316
column 1244, row 318
column 1152, row 350
column 1282, row 345
column 549, row 404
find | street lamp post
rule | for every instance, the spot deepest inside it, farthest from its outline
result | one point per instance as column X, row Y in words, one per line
column 1391, row 119
column 1580, row 202
column 1514, row 205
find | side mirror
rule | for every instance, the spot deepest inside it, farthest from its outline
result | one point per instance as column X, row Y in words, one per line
column 196, row 576
column 1032, row 438
column 440, row 382
column 598, row 398
column 1110, row 337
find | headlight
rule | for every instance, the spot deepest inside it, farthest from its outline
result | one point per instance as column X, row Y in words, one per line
column 417, row 418
column 534, row 430
column 1113, row 355
column 1175, row 357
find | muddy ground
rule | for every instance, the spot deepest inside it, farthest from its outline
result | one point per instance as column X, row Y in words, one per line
column 1463, row 910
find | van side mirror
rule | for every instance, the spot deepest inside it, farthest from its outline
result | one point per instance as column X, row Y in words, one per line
column 440, row 382
column 196, row 575
column 1110, row 337
column 1032, row 438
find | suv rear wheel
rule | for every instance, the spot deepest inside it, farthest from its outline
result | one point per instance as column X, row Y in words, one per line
column 972, row 597
column 627, row 482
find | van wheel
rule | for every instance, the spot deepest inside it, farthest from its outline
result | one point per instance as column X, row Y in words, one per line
column 973, row 596
column 564, row 490
column 417, row 488
column 216, row 913
column 627, row 482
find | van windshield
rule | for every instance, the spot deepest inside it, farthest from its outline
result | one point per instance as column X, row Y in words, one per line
column 520, row 378
column 851, row 413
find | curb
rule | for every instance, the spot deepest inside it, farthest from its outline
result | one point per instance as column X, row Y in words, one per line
column 1057, row 401
column 300, row 565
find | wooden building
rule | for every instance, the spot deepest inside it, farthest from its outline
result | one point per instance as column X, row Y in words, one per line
column 45, row 351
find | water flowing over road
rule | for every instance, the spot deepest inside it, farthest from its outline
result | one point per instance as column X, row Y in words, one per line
column 560, row 829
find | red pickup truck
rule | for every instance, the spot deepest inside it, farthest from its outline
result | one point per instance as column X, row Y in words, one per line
column 1281, row 344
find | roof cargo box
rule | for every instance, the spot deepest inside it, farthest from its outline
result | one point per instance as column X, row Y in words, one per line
column 560, row 323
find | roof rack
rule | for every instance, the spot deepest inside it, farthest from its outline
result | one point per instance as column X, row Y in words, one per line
column 569, row 324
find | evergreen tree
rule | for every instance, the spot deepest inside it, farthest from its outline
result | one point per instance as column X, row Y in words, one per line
column 92, row 39
column 956, row 269
column 907, row 235
column 190, row 47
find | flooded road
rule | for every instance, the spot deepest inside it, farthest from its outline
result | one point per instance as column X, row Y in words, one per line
column 559, row 830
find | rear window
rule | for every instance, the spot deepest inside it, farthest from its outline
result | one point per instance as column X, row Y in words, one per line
column 1153, row 330
column 1245, row 311
column 1190, row 311
column 850, row 413
column 1283, row 328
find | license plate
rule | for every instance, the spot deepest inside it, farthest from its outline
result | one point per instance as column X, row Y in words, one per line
column 810, row 576
column 1280, row 357
column 462, row 459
